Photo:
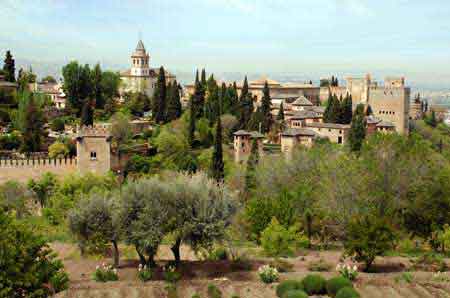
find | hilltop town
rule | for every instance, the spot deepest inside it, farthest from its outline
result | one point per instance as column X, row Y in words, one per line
column 335, row 187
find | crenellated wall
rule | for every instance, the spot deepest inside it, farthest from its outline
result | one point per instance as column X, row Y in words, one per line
column 23, row 170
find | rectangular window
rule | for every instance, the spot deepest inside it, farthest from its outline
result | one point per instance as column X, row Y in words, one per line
column 93, row 155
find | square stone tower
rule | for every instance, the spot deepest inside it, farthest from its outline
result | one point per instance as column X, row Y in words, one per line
column 94, row 149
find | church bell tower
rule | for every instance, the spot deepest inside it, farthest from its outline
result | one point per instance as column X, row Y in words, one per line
column 140, row 61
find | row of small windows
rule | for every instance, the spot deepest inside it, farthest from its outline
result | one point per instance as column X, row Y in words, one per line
column 139, row 61
column 386, row 112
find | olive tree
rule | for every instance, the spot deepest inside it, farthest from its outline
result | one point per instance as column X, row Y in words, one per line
column 200, row 210
column 96, row 217
column 144, row 216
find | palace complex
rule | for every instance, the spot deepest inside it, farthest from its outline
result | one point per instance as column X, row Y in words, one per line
column 388, row 106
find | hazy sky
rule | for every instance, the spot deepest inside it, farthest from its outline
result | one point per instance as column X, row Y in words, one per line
column 312, row 37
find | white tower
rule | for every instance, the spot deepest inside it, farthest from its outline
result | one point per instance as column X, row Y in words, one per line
column 140, row 61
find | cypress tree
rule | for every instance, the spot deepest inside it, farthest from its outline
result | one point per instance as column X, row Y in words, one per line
column 203, row 81
column 233, row 94
column 87, row 114
column 32, row 128
column 198, row 101
column 266, row 104
column 9, row 67
column 217, row 158
column 244, row 90
column 256, row 121
column 280, row 116
column 97, row 92
column 225, row 99
column 328, row 109
column 245, row 111
column 159, row 99
column 347, row 109
column 212, row 106
column 191, row 128
column 335, row 110
column 173, row 102
column 357, row 129
column 252, row 162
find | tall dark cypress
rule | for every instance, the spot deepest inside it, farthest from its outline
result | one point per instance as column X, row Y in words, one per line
column 191, row 127
column 347, row 109
column 33, row 127
column 173, row 102
column 159, row 99
column 245, row 111
column 266, row 107
column 9, row 67
column 217, row 164
column 198, row 100
column 203, row 79
column 244, row 90
column 280, row 116
column 357, row 129
column 87, row 113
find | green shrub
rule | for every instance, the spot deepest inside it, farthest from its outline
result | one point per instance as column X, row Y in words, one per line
column 214, row 291
column 319, row 266
column 336, row 283
column 196, row 295
column 347, row 293
column 295, row 294
column 276, row 240
column 217, row 254
column 144, row 274
column 288, row 285
column 171, row 275
column 368, row 237
column 268, row 274
column 314, row 284
column 105, row 273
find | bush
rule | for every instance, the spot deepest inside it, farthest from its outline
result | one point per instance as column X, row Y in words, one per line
column 217, row 254
column 57, row 124
column 288, row 285
column 347, row 271
column 28, row 266
column 295, row 294
column 368, row 237
column 337, row 283
column 214, row 292
column 314, row 284
column 171, row 275
column 144, row 273
column 105, row 273
column 347, row 293
column 268, row 274
column 319, row 266
column 276, row 240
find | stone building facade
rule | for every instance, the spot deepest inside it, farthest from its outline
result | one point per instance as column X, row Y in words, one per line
column 141, row 78
column 243, row 144
column 94, row 155
column 389, row 102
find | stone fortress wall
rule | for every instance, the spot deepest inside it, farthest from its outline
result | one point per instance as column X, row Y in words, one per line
column 22, row 170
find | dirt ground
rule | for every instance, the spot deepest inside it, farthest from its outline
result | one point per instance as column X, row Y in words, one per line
column 239, row 280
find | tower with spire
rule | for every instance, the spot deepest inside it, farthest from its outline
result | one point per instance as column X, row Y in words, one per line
column 141, row 77
column 140, row 61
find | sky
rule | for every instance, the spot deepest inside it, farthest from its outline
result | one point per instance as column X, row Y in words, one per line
column 305, row 38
